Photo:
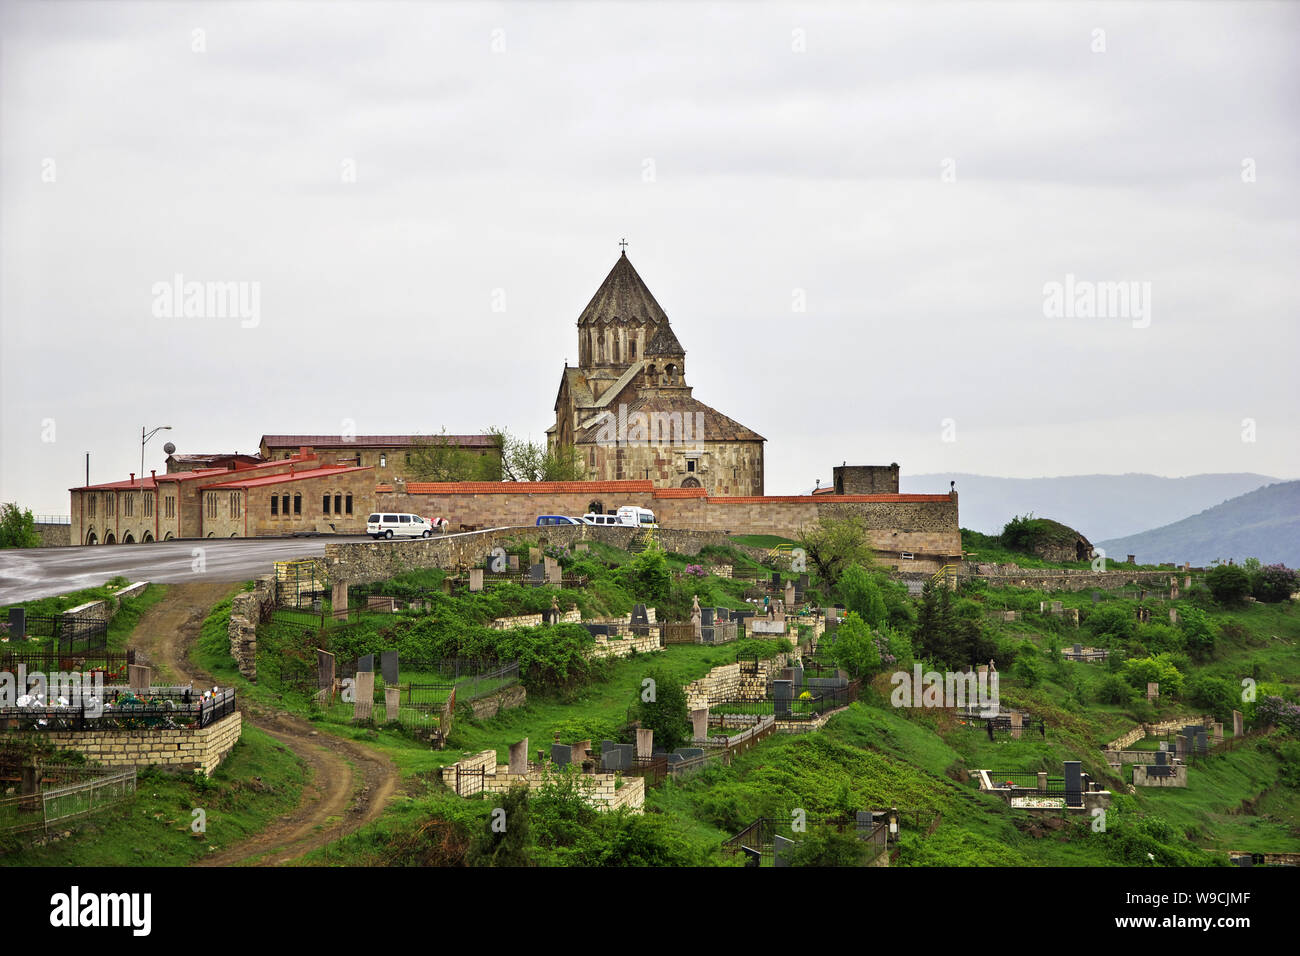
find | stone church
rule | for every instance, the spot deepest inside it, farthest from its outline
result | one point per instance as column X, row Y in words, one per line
column 628, row 410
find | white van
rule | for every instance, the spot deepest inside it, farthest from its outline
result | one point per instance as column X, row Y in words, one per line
column 637, row 517
column 381, row 525
column 604, row 521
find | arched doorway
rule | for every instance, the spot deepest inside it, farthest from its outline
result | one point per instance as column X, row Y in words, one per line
column 128, row 538
column 109, row 539
column 596, row 507
column 690, row 482
column 91, row 538
column 148, row 538
column 167, row 536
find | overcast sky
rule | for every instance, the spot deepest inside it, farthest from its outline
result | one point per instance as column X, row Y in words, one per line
column 425, row 196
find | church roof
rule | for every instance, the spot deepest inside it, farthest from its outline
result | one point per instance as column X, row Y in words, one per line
column 623, row 296
column 716, row 426
column 665, row 343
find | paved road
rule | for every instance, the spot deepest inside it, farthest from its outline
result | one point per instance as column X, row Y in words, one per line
column 29, row 573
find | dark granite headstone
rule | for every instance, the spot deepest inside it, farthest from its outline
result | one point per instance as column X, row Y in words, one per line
column 366, row 663
column 1161, row 757
column 1073, row 783
column 561, row 754
column 639, row 615
column 722, row 614
column 776, row 579
column 537, row 573
column 782, row 846
column 803, row 582
column 706, row 616
column 865, row 819
column 1078, row 648
column 388, row 666
column 1096, row 597
column 782, row 693
column 17, row 623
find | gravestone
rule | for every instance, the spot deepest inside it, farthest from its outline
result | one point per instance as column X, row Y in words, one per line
column 696, row 619
column 1173, row 593
column 721, row 614
column 324, row 675
column 796, row 674
column 581, row 547
column 776, row 579
column 367, row 664
column 645, row 742
column 1017, row 723
column 554, row 574
column 803, row 582
column 1096, row 597
column 18, row 623
column 830, row 616
column 519, row 757
column 392, row 702
column 140, row 676
column 1187, row 581
column 781, row 847
column 536, row 573
column 363, row 706
column 1173, row 615
column 1180, row 745
column 615, row 756
column 512, row 562
column 561, row 754
column 476, row 579
column 388, row 666
column 1078, row 649
column 534, row 555
column 865, row 820
column 782, row 693
column 1202, row 741
column 1057, row 607
column 1073, row 783
column 1237, row 723
column 580, row 751
column 1164, row 746
column 1042, row 780
column 706, row 616
column 639, row 616
column 1218, row 732
column 789, row 594
column 700, row 723
column 1153, row 690
column 1161, row 758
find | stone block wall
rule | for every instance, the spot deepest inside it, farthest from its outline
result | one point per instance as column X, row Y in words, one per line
column 604, row 791
column 54, row 535
column 105, row 609
column 625, row 645
column 726, row 682
column 199, row 751
column 504, row 699
column 1177, row 779
column 248, row 609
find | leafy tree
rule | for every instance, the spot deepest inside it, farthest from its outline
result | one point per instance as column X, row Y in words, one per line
column 438, row 458
column 859, row 592
column 1111, row 625
column 827, row 846
column 1198, row 633
column 647, row 575
column 949, row 636
column 504, row 839
column 666, row 714
column 1028, row 667
column 17, row 528
column 1215, row 694
column 855, row 647
column 834, row 544
column 1112, row 689
column 530, row 461
column 1229, row 584
column 1140, row 671
column 1273, row 583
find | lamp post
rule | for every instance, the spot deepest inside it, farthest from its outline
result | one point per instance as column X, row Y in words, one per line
column 144, row 438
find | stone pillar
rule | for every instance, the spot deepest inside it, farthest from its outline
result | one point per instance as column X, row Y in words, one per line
column 1237, row 723
column 519, row 758
column 1153, row 690
column 645, row 742
column 365, row 700
column 553, row 572
column 1017, row 723
column 324, row 677
column 1042, row 780
column 339, row 600
column 1218, row 732
column 476, row 579
column 1173, row 593
column 1173, row 615
column 512, row 562
column 392, row 702
column 1187, row 581
column 789, row 594
column 580, row 751
column 700, row 723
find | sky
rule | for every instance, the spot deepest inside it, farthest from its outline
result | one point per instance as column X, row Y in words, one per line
column 875, row 228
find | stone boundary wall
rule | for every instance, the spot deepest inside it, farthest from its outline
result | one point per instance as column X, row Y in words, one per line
column 625, row 645
column 1072, row 579
column 1154, row 730
column 248, row 609
column 726, row 682
column 54, row 535
column 603, row 791
column 506, row 698
column 104, row 610
column 200, row 750
column 1177, row 779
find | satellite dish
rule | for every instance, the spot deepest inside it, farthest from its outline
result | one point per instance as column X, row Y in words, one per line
column 169, row 448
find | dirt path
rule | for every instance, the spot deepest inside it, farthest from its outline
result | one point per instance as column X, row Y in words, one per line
column 349, row 783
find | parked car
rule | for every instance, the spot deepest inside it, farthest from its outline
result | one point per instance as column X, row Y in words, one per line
column 543, row 520
column 398, row 525
column 638, row 517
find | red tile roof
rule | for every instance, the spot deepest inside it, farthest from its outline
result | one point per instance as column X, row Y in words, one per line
column 681, row 493
column 328, row 470
column 834, row 499
column 383, row 489
column 127, row 485
column 374, row 441
column 528, row 487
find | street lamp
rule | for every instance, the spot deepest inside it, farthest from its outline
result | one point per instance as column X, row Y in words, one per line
column 144, row 438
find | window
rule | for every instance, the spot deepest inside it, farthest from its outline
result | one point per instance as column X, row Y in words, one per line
column 148, row 506
column 128, row 506
column 284, row 505
column 631, row 350
column 211, row 502
column 347, row 505
column 383, row 461
column 93, row 500
column 108, row 505
column 297, row 504
column 325, row 504
column 403, row 519
column 235, row 504
column 338, row 501
column 275, row 505
column 169, row 505
column 690, row 464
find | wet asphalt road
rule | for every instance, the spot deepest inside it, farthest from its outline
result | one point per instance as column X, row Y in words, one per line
column 29, row 573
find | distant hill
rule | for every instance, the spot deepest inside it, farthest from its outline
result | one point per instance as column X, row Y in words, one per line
column 1099, row 506
column 1263, row 524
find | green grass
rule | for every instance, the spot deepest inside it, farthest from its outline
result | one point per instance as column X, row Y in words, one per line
column 259, row 781
column 58, row 603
